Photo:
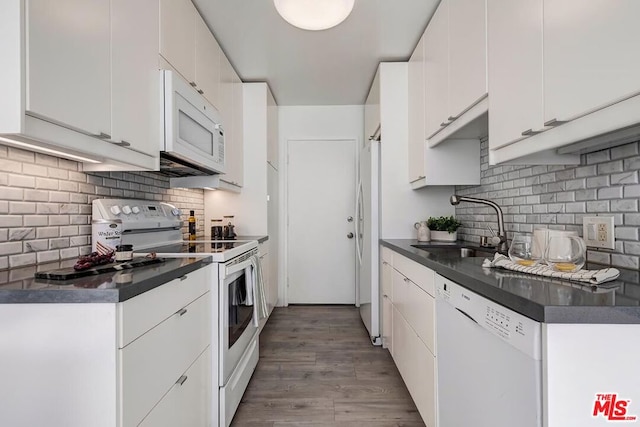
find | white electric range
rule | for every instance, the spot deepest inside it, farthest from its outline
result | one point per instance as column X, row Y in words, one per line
column 156, row 227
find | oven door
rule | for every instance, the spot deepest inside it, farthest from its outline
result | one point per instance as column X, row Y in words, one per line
column 236, row 318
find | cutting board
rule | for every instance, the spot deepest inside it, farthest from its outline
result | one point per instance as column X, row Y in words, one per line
column 70, row 273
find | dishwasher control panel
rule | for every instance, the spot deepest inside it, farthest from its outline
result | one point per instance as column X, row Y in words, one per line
column 514, row 328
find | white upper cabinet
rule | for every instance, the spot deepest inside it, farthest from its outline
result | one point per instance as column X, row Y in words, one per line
column 134, row 72
column 207, row 63
column 436, row 69
column 230, row 107
column 563, row 78
column 372, row 108
column 79, row 79
column 177, row 36
column 515, row 69
column 456, row 72
column 68, row 63
column 272, row 130
column 467, row 54
column 591, row 56
column 237, row 171
column 189, row 47
column 416, row 115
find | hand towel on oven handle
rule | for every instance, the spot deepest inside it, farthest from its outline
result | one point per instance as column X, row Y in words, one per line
column 255, row 290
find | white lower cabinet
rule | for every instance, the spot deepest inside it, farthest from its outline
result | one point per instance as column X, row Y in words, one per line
column 409, row 313
column 146, row 360
column 187, row 403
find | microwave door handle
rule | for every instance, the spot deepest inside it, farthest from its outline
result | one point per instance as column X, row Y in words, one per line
column 237, row 267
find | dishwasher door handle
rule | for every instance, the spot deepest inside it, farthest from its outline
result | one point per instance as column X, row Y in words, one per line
column 468, row 315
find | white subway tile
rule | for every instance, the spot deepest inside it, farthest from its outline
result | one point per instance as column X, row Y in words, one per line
column 47, row 183
column 22, row 181
column 22, row 260
column 22, row 208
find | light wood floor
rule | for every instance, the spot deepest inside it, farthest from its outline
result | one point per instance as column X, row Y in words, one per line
column 318, row 368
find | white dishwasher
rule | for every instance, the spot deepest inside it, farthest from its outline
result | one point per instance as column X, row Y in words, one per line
column 489, row 362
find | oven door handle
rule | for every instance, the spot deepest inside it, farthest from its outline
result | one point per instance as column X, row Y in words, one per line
column 237, row 267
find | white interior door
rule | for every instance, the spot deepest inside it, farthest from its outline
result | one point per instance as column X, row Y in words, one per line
column 321, row 183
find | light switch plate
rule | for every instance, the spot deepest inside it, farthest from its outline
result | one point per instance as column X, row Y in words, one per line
column 597, row 232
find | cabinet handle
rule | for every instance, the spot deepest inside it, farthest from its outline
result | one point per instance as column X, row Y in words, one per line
column 103, row 135
column 406, row 280
column 193, row 84
column 122, row 143
column 181, row 380
column 530, row 132
column 452, row 118
column 181, row 312
column 555, row 122
column 384, row 263
column 200, row 91
column 443, row 124
column 183, row 278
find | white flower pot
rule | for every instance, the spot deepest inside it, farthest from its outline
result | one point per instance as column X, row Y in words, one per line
column 444, row 236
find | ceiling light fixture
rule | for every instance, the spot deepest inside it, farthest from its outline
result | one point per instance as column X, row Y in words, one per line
column 314, row 15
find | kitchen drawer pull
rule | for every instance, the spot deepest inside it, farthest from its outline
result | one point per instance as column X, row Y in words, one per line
column 123, row 143
column 182, row 311
column 103, row 135
column 200, row 91
column 452, row 118
column 183, row 277
column 193, row 84
column 406, row 280
column 181, row 380
column 555, row 122
column 443, row 124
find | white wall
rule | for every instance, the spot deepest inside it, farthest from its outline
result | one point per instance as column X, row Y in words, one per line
column 402, row 206
column 321, row 122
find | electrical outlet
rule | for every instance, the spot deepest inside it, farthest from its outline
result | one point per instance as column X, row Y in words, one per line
column 598, row 232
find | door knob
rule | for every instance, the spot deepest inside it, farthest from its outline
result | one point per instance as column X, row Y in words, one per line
column 350, row 235
column 349, row 219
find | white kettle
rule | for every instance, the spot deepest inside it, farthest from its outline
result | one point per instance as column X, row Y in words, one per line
column 424, row 234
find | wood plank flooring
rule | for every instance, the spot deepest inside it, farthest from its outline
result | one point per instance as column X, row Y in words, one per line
column 318, row 368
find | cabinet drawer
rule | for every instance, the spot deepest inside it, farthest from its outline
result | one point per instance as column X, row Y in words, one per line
column 150, row 365
column 188, row 402
column 138, row 315
column 418, row 274
column 420, row 314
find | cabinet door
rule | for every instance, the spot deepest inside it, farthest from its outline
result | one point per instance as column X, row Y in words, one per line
column 386, row 286
column 436, row 70
column 399, row 292
column 207, row 62
column 399, row 350
column 226, row 111
column 68, row 63
column 591, row 56
column 420, row 314
column 387, row 323
column 272, row 130
column 421, row 378
column 372, row 107
column 416, row 113
column 177, row 36
column 515, row 69
column 467, row 54
column 134, row 72
column 238, row 132
column 187, row 404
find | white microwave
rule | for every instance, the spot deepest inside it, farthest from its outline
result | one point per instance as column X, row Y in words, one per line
column 193, row 132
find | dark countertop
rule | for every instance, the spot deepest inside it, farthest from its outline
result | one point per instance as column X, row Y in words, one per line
column 18, row 286
column 539, row 298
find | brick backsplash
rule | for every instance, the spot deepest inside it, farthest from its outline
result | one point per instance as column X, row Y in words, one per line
column 45, row 204
column 605, row 183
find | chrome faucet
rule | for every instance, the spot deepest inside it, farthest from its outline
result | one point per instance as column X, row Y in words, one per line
column 500, row 240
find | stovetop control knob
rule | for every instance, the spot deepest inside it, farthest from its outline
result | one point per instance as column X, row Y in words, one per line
column 126, row 210
column 115, row 209
column 135, row 210
column 175, row 212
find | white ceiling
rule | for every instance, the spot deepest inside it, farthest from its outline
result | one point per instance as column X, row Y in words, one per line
column 331, row 67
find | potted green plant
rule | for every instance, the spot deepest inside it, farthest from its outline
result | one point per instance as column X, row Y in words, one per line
column 444, row 228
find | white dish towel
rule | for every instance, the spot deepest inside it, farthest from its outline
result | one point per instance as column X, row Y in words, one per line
column 593, row 277
column 257, row 287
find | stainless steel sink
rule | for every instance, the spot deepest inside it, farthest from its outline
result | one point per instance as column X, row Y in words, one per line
column 457, row 251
